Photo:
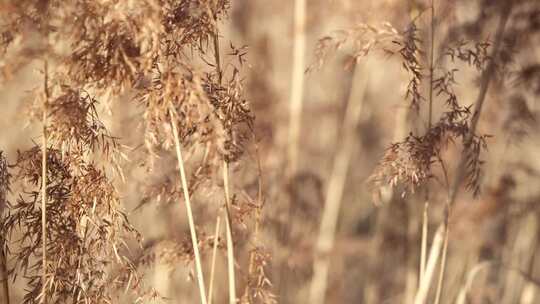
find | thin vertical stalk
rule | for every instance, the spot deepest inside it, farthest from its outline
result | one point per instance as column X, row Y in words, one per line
column 295, row 103
column 431, row 66
column 434, row 254
column 423, row 246
column 334, row 194
column 443, row 266
column 295, row 123
column 462, row 297
column 423, row 249
column 44, row 188
column 214, row 256
column 230, row 243
column 4, row 289
column 194, row 241
column 217, row 56
column 260, row 203
column 4, row 188
column 485, row 80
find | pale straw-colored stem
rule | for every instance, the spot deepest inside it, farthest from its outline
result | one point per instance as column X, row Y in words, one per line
column 4, row 276
column 443, row 267
column 431, row 64
column 214, row 258
column 44, row 191
column 230, row 243
column 432, row 261
column 485, row 80
column 191, row 222
column 461, row 170
column 423, row 249
column 296, row 97
column 251, row 266
column 334, row 194
column 295, row 123
column 423, row 246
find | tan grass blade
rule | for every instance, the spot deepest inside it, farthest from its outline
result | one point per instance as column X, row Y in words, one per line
column 423, row 246
column 433, row 259
column 230, row 243
column 529, row 294
column 198, row 265
column 485, row 80
column 334, row 194
column 4, row 186
column 295, row 122
column 44, row 189
column 462, row 295
column 255, row 237
column 443, row 267
column 4, row 289
column 517, row 273
column 295, row 103
column 431, row 64
column 214, row 257
column 522, row 254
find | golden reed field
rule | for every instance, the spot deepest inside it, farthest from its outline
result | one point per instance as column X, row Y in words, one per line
column 282, row 151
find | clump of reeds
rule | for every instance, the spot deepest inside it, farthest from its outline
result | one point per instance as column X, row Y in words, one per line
column 75, row 244
column 409, row 165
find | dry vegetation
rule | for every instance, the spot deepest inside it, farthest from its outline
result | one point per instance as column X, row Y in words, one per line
column 216, row 151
